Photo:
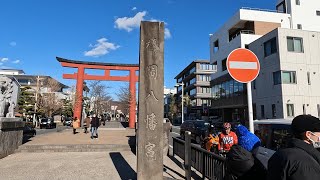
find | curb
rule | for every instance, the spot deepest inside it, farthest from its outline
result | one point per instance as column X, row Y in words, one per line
column 74, row 148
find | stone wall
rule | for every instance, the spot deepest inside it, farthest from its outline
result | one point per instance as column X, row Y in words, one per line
column 11, row 134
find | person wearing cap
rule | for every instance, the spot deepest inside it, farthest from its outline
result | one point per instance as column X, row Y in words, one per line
column 227, row 138
column 301, row 160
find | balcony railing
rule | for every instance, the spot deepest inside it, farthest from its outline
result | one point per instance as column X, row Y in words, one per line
column 258, row 9
column 241, row 32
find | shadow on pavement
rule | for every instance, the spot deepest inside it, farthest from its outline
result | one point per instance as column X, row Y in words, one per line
column 125, row 124
column 132, row 143
column 181, row 165
column 26, row 138
column 166, row 168
column 124, row 169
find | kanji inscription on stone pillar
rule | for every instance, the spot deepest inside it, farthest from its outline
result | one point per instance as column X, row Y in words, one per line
column 150, row 121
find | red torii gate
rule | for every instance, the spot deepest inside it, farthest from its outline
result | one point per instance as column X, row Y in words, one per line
column 80, row 76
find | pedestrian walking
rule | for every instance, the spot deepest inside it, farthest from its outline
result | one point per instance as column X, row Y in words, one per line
column 227, row 138
column 94, row 126
column 75, row 124
column 301, row 160
column 86, row 124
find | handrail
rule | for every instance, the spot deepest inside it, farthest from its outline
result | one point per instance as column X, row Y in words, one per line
column 210, row 165
column 220, row 158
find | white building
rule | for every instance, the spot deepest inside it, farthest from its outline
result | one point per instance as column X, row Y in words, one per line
column 288, row 83
column 11, row 71
column 249, row 25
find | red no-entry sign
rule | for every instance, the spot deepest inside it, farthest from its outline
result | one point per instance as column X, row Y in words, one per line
column 243, row 65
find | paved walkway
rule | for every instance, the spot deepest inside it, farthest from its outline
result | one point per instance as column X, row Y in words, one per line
column 106, row 136
column 105, row 165
column 77, row 166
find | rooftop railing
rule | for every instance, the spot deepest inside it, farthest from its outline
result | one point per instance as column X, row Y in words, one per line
column 258, row 9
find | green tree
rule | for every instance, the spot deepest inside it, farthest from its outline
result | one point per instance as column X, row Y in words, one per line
column 67, row 109
column 26, row 101
column 172, row 107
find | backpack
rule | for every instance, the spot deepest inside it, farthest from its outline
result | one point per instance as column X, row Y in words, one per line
column 263, row 155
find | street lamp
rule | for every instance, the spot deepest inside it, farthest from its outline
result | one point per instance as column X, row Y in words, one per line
column 182, row 113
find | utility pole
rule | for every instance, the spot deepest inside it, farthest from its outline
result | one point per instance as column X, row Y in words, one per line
column 35, row 104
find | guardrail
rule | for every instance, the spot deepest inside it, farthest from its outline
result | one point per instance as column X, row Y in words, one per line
column 210, row 165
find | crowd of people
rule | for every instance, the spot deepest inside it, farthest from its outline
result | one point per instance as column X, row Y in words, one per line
column 299, row 161
column 92, row 122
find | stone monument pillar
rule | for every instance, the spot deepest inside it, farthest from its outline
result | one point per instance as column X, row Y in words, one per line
column 11, row 128
column 150, row 121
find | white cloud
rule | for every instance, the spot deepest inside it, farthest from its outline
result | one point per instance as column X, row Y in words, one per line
column 4, row 59
column 134, row 8
column 128, row 23
column 16, row 61
column 101, row 48
column 1, row 63
column 13, row 43
column 167, row 33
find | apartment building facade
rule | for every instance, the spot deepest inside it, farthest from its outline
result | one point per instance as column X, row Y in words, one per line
column 245, row 27
column 288, row 83
column 196, row 79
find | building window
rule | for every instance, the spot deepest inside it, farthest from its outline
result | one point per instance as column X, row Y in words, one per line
column 295, row 44
column 284, row 77
column 192, row 81
column 304, row 109
column 216, row 46
column 290, row 110
column 204, row 78
column 205, row 102
column 192, row 70
column 206, row 67
column 192, row 92
column 203, row 90
column 262, row 111
column 318, row 13
column 308, row 77
column 299, row 26
column 180, row 79
column 297, row 2
column 270, row 47
column 288, row 77
column 254, row 84
column 274, row 112
column 224, row 64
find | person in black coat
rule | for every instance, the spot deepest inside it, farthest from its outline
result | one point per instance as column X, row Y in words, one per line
column 94, row 126
column 301, row 160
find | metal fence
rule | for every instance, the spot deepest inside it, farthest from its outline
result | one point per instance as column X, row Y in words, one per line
column 210, row 165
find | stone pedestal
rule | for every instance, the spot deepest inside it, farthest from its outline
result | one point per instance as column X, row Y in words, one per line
column 11, row 135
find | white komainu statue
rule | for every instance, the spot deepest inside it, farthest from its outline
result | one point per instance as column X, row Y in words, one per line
column 6, row 104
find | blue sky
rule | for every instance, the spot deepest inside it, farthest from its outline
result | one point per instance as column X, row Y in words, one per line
column 34, row 32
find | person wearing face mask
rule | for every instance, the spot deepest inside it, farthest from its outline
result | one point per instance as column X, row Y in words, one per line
column 301, row 160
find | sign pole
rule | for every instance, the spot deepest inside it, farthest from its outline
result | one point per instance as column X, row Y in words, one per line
column 243, row 66
column 250, row 110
